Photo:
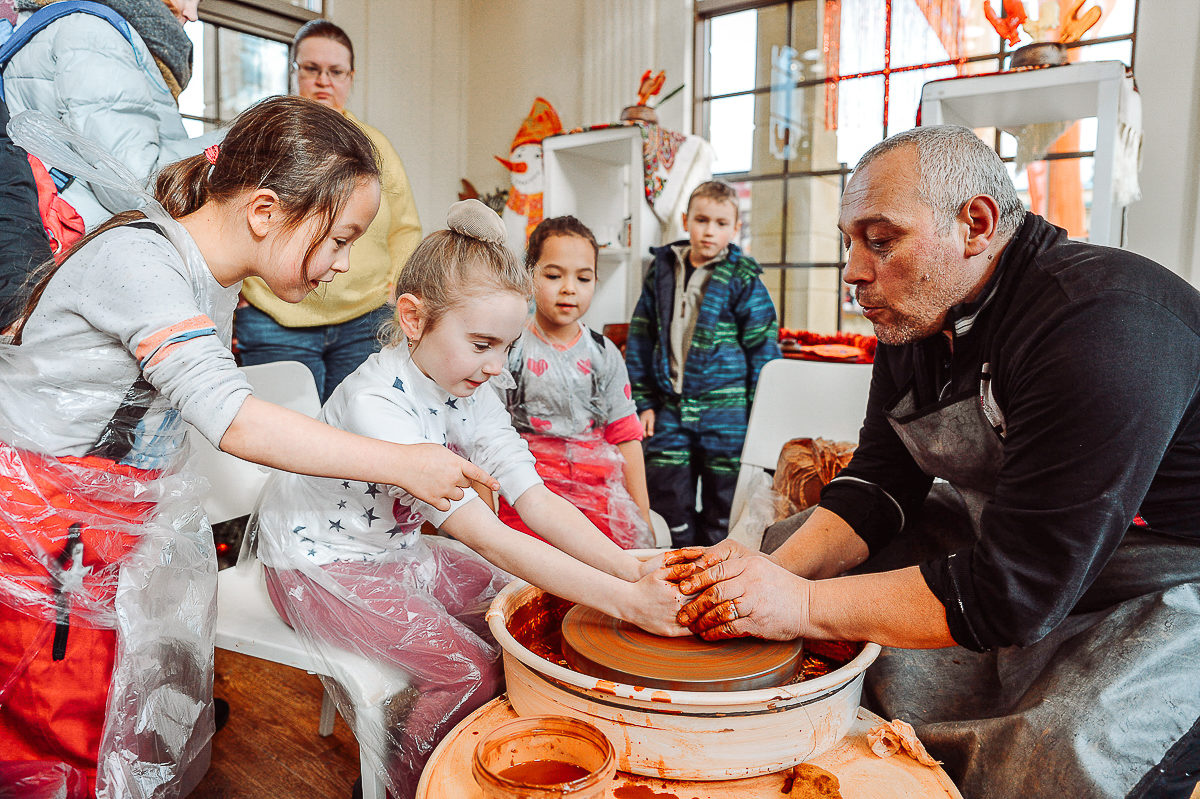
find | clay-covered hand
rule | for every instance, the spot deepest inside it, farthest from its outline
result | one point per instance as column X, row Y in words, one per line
column 654, row 603
column 436, row 475
column 693, row 560
column 740, row 592
column 677, row 561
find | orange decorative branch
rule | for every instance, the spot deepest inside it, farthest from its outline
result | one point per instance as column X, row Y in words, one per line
column 1009, row 25
column 650, row 86
column 1072, row 26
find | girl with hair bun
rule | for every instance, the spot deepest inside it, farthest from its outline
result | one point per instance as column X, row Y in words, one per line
column 107, row 566
column 347, row 565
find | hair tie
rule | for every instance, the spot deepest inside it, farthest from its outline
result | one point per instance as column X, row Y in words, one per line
column 211, row 153
column 473, row 218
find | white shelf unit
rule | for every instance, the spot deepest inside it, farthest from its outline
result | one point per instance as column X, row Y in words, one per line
column 596, row 176
column 1011, row 100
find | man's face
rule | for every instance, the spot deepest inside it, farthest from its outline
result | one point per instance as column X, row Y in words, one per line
column 906, row 274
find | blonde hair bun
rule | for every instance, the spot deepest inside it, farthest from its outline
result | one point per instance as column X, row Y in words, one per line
column 473, row 218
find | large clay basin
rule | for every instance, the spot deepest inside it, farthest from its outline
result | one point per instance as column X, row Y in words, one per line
column 684, row 735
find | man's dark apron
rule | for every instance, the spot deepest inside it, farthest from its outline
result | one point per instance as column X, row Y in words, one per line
column 1092, row 708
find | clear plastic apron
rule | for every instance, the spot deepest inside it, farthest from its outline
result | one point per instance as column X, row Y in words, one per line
column 92, row 547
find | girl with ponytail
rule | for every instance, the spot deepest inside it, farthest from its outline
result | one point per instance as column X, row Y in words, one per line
column 107, row 568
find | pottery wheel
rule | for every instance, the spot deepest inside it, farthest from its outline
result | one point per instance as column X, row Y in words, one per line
column 599, row 645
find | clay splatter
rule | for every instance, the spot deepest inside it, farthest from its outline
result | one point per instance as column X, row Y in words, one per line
column 640, row 792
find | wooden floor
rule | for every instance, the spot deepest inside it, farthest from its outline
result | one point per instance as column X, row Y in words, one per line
column 270, row 746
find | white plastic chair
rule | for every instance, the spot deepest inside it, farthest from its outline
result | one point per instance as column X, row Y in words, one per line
column 794, row 399
column 246, row 620
column 662, row 533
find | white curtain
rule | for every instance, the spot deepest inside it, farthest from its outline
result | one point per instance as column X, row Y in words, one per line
column 624, row 38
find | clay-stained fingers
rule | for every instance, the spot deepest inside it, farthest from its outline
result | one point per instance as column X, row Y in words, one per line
column 728, row 619
column 712, row 575
column 711, row 601
column 725, row 552
column 682, row 563
column 687, row 555
column 723, row 631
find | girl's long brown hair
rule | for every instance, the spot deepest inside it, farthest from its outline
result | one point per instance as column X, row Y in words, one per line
column 311, row 156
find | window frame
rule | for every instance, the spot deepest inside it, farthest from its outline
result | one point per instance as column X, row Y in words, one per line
column 706, row 10
column 275, row 20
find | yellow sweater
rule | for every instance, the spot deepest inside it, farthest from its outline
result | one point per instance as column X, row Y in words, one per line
column 375, row 260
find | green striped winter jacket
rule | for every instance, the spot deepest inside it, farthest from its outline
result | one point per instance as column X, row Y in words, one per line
column 736, row 331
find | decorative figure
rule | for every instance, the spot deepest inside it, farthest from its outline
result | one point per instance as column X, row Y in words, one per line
column 650, row 85
column 1008, row 26
column 1071, row 25
column 523, row 210
column 1057, row 25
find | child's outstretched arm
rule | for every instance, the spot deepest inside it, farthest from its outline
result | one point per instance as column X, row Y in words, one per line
column 563, row 525
column 651, row 602
column 274, row 436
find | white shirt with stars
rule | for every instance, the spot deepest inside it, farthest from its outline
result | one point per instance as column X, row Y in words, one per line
column 324, row 520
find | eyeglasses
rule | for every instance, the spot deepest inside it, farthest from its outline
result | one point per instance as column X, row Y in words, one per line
column 312, row 72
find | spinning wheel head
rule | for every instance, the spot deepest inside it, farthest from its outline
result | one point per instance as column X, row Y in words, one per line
column 599, row 645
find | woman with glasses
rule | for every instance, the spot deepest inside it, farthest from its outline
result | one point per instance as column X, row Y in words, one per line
column 335, row 330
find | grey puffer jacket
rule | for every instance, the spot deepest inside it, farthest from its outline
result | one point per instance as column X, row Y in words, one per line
column 81, row 70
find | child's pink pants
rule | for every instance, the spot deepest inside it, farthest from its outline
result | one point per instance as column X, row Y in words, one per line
column 433, row 632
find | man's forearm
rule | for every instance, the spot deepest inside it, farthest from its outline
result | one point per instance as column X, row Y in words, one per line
column 824, row 546
column 894, row 608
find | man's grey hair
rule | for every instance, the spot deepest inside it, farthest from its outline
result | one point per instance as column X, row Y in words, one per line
column 955, row 165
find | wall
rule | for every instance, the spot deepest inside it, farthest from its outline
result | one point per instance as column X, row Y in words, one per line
column 1165, row 224
column 518, row 50
column 411, row 61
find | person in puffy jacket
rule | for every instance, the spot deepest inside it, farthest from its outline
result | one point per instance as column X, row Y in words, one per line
column 120, row 94
column 23, row 242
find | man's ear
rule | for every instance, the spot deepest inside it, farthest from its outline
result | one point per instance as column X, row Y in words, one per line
column 410, row 315
column 684, row 218
column 979, row 216
column 263, row 211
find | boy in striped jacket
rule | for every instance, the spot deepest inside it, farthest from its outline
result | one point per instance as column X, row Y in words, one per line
column 700, row 334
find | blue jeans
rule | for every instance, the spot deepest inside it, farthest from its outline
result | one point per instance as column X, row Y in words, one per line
column 331, row 352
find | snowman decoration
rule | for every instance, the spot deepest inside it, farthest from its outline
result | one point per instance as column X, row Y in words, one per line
column 523, row 211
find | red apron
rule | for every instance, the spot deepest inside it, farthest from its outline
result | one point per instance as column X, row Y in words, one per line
column 569, row 469
column 70, row 520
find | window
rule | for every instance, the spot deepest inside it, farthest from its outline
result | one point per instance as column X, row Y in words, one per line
column 240, row 56
column 793, row 92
